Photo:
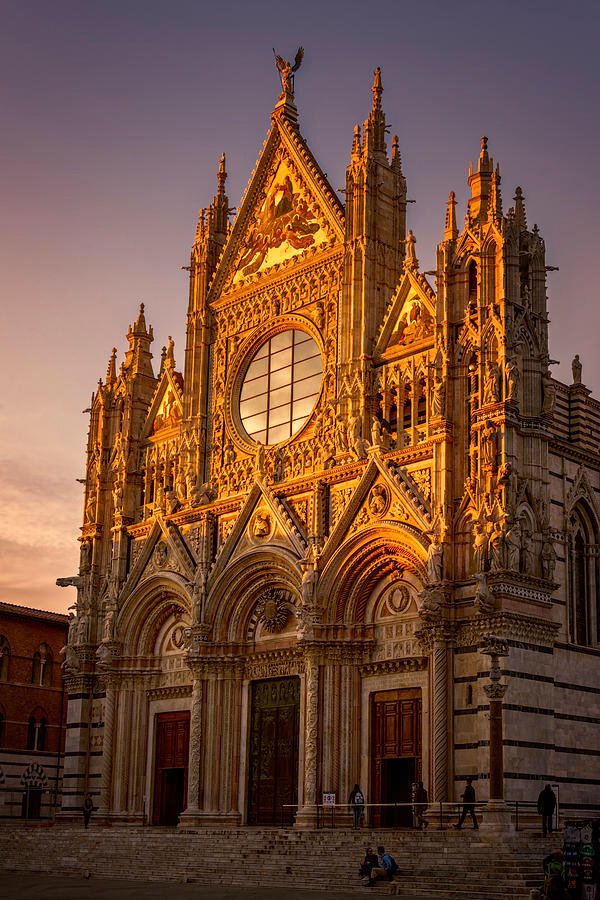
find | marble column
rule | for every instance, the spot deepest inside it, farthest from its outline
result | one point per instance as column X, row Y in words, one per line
column 193, row 786
column 110, row 701
column 307, row 813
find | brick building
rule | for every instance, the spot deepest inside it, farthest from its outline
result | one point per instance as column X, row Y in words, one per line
column 32, row 710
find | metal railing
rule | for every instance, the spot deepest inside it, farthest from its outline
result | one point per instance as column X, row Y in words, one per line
column 437, row 815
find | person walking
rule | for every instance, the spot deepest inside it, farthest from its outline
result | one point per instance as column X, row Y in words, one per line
column 357, row 803
column 87, row 809
column 546, row 805
column 468, row 799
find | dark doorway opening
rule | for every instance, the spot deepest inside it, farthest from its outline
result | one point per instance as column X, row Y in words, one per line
column 31, row 803
column 172, row 799
column 397, row 777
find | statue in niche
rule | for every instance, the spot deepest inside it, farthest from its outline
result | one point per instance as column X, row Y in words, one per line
column 548, row 392
column 341, row 434
column 278, row 464
column 435, row 558
column 577, row 369
column 378, row 500
column 484, row 600
column 491, row 385
column 527, row 560
column 85, row 556
column 548, row 559
column 513, row 379
column 497, row 545
column 513, row 547
column 438, row 400
column 110, row 612
column 180, row 485
column 480, row 547
column 489, row 446
column 90, row 508
column 376, row 433
column 261, row 525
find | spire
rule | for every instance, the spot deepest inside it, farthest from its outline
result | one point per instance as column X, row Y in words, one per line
column 375, row 124
column 410, row 260
column 450, row 229
column 163, row 360
column 138, row 356
column 495, row 195
column 480, row 184
column 169, row 357
column 396, row 158
column 520, row 216
column 221, row 177
column 356, row 143
column 111, row 372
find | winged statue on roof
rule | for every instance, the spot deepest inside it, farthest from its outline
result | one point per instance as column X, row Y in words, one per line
column 286, row 69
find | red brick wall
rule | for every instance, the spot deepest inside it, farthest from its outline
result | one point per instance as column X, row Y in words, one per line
column 25, row 630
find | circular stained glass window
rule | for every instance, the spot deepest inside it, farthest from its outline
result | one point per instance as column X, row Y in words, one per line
column 281, row 387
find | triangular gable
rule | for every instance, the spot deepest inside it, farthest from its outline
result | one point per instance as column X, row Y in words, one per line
column 263, row 520
column 166, row 408
column 383, row 494
column 289, row 207
column 411, row 316
column 178, row 557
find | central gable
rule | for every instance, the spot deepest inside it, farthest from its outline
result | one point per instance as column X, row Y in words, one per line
column 289, row 209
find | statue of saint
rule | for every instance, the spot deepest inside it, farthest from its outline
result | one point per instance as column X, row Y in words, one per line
column 513, row 380
column 435, row 556
column 548, row 559
column 480, row 548
column 577, row 368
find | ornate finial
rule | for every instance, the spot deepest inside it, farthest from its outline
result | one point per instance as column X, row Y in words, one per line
column 356, row 142
column 377, row 89
column 396, row 159
column 140, row 322
column 495, row 195
column 221, row 175
column 111, row 372
column 169, row 357
column 520, row 216
column 410, row 260
column 163, row 358
column 484, row 164
column 286, row 70
column 450, row 228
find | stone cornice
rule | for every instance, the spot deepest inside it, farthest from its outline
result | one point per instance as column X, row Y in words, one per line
column 387, row 666
column 508, row 626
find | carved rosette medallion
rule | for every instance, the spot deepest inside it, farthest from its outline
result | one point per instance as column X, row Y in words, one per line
column 272, row 611
column 396, row 600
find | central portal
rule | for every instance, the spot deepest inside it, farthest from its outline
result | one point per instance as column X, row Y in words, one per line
column 396, row 754
column 273, row 751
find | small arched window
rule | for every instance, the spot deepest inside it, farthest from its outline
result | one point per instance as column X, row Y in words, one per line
column 41, row 667
column 472, row 280
column 37, row 727
column 4, row 657
column 422, row 403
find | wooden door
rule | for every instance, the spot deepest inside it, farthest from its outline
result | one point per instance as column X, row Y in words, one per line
column 273, row 751
column 395, row 753
column 170, row 767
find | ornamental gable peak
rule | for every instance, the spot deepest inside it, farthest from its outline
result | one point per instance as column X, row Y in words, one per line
column 289, row 211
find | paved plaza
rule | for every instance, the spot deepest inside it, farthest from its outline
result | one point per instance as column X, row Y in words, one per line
column 28, row 886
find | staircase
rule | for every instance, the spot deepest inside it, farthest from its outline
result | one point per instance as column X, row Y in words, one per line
column 444, row 864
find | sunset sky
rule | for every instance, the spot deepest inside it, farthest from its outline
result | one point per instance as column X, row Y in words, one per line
column 114, row 116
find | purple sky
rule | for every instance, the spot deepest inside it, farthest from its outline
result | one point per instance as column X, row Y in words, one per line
column 114, row 116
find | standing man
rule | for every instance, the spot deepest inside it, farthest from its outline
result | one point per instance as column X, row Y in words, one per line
column 546, row 805
column 87, row 808
column 468, row 799
column 420, row 805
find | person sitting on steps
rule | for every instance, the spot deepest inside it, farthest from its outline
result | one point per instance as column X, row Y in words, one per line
column 369, row 863
column 386, row 869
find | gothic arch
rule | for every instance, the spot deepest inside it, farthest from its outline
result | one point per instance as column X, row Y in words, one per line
column 232, row 599
column 146, row 611
column 583, row 606
column 362, row 561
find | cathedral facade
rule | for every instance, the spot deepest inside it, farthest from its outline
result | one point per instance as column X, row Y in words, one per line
column 356, row 539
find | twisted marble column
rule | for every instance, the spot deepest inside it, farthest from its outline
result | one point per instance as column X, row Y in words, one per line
column 193, row 791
